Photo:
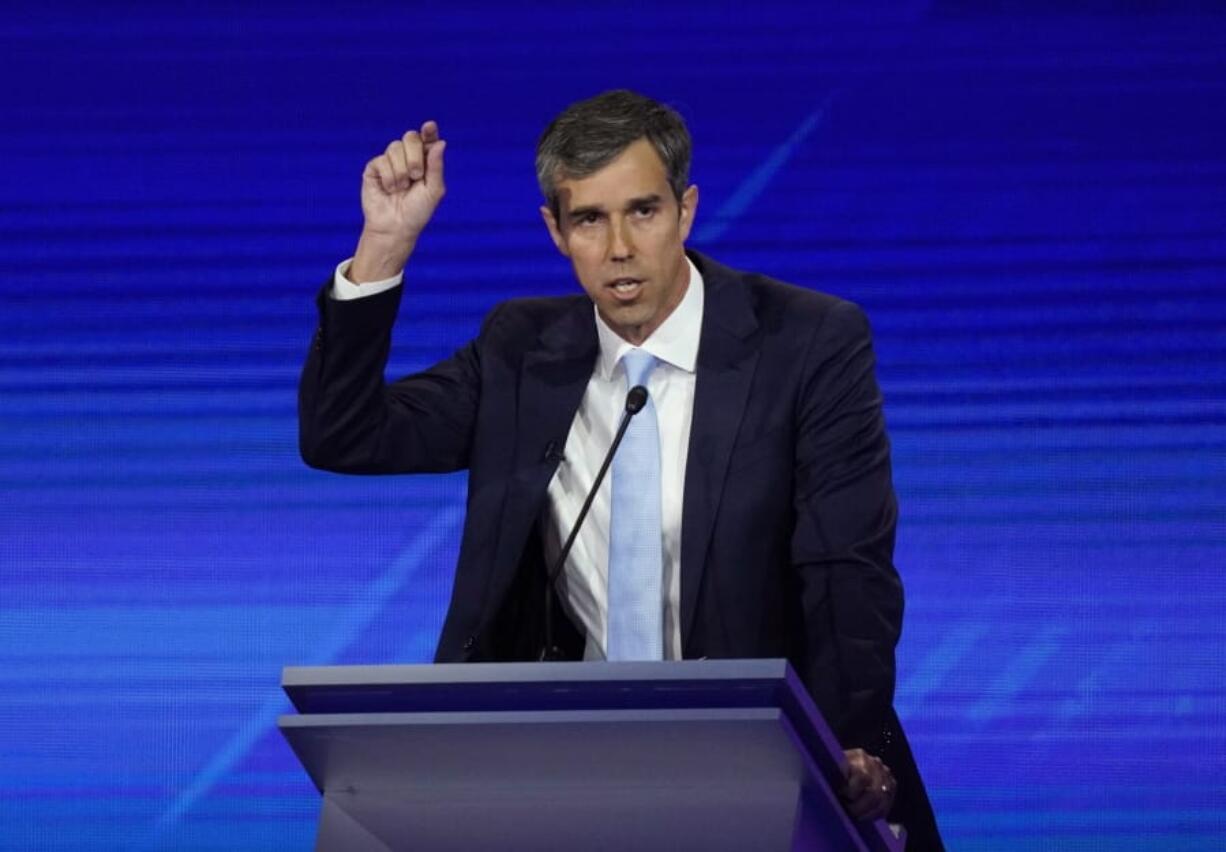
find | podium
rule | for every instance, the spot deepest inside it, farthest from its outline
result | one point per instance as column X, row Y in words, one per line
column 697, row 754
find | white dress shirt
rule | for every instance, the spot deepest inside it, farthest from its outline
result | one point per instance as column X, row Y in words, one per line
column 583, row 584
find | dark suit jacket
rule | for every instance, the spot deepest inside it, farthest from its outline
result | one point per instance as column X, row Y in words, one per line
column 789, row 511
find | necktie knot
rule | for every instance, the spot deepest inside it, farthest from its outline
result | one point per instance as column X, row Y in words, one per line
column 638, row 363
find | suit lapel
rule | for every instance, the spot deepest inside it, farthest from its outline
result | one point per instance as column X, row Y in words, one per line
column 551, row 385
column 727, row 356
column 552, row 380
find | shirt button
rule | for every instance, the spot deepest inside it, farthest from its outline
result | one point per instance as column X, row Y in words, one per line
column 469, row 642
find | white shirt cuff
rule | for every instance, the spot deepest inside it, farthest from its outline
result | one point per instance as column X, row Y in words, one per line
column 343, row 289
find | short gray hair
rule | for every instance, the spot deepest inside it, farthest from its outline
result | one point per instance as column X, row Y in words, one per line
column 590, row 134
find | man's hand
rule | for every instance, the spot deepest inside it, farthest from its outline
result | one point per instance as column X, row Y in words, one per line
column 400, row 190
column 869, row 791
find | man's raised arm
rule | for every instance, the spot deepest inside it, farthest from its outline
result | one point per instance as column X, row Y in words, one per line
column 349, row 419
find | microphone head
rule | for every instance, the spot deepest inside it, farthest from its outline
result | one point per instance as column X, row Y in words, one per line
column 636, row 399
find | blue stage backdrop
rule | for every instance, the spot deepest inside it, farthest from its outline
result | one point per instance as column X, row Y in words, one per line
column 1030, row 206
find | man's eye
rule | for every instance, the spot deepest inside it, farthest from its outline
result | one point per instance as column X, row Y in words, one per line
column 588, row 219
column 644, row 212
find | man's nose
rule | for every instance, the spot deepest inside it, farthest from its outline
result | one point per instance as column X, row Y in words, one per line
column 620, row 245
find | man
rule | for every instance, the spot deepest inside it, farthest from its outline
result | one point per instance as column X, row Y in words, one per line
column 769, row 508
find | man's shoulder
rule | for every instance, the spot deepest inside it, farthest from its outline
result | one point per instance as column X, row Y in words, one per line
column 536, row 311
column 523, row 323
column 779, row 303
column 786, row 296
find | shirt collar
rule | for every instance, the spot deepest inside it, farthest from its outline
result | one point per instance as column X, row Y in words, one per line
column 675, row 341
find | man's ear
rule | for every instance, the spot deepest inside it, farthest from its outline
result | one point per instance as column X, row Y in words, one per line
column 555, row 233
column 688, row 207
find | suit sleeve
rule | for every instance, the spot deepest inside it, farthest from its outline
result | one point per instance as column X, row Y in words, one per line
column 351, row 421
column 843, row 543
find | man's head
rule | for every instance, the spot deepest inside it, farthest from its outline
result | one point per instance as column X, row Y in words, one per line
column 614, row 172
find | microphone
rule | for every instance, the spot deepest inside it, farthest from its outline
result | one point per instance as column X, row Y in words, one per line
column 635, row 400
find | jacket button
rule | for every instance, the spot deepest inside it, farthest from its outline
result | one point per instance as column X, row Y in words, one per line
column 469, row 642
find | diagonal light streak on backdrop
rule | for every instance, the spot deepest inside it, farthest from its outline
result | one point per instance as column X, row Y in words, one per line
column 756, row 182
column 444, row 524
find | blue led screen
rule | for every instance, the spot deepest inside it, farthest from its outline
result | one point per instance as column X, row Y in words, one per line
column 1029, row 201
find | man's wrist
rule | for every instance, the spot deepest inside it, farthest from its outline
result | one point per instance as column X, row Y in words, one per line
column 378, row 257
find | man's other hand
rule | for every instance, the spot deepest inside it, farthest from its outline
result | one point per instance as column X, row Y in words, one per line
column 400, row 190
column 870, row 786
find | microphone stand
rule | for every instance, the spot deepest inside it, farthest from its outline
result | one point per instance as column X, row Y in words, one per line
column 635, row 400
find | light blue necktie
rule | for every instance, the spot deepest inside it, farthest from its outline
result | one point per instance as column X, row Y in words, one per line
column 636, row 558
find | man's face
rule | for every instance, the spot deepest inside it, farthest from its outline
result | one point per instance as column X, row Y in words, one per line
column 625, row 233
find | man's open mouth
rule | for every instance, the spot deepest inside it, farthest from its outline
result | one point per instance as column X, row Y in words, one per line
column 625, row 286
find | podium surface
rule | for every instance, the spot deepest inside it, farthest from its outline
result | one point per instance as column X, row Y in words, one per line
column 707, row 754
